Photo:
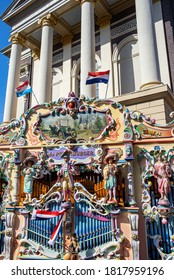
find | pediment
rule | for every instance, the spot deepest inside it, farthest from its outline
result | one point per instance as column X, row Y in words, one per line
column 14, row 6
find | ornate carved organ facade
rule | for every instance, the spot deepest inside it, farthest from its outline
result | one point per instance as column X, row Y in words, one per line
column 87, row 167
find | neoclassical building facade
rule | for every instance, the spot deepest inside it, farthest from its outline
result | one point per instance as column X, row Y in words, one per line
column 99, row 158
column 54, row 45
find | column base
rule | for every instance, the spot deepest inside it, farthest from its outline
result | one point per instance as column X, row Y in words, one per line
column 150, row 85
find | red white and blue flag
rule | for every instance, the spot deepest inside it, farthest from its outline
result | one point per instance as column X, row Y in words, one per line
column 23, row 89
column 97, row 77
column 43, row 214
column 55, row 232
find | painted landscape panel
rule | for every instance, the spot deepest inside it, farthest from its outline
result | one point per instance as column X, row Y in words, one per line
column 83, row 126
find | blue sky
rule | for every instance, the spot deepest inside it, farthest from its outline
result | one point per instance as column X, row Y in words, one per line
column 4, row 36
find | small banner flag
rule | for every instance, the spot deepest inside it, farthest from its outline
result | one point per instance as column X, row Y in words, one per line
column 97, row 77
column 55, row 232
column 23, row 89
column 43, row 214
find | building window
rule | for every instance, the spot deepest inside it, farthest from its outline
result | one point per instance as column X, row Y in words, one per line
column 126, row 66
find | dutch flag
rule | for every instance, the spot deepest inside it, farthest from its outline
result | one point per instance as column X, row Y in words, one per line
column 23, row 89
column 43, row 214
column 98, row 77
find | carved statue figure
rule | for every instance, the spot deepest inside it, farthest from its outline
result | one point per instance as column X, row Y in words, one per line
column 2, row 165
column 74, row 247
column 4, row 160
column 110, row 180
column 162, row 172
column 28, row 180
column 42, row 165
column 65, row 175
column 16, row 156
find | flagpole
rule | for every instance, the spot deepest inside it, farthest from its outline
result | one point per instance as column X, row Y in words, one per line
column 106, row 90
column 107, row 86
column 35, row 97
column 31, row 63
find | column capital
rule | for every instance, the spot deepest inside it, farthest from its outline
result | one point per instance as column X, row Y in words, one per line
column 83, row 1
column 35, row 54
column 104, row 21
column 66, row 39
column 48, row 20
column 17, row 38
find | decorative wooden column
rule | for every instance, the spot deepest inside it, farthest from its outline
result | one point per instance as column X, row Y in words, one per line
column 130, row 179
column 131, row 197
column 16, row 176
column 133, row 219
column 9, row 235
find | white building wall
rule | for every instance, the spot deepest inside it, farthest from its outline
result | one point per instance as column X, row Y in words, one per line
column 20, row 106
column 106, row 62
column 34, row 83
column 66, row 69
column 57, row 84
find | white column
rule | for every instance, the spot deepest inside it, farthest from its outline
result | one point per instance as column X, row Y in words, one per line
column 146, row 42
column 45, row 68
column 13, row 77
column 67, row 64
column 87, row 46
column 106, row 56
